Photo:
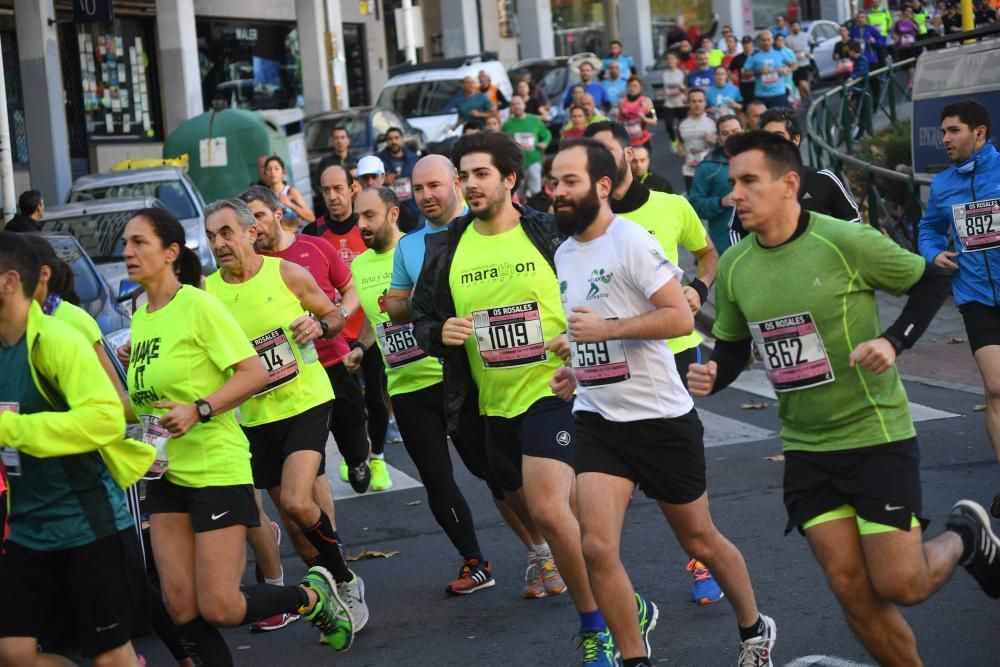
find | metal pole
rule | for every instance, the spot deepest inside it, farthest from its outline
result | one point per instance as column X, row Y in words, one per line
column 6, row 159
column 968, row 19
column 408, row 38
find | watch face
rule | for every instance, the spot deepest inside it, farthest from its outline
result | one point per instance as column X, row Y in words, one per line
column 204, row 409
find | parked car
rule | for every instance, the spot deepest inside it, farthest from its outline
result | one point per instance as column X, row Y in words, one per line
column 96, row 295
column 170, row 185
column 425, row 93
column 554, row 76
column 823, row 38
column 366, row 126
column 98, row 226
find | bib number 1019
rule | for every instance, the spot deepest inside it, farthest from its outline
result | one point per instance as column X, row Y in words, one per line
column 510, row 335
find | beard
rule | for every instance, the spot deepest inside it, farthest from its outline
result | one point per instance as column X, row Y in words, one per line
column 581, row 214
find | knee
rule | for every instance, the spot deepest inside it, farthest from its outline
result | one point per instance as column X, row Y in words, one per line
column 701, row 544
column 598, row 549
column 220, row 610
column 847, row 583
column 18, row 651
column 300, row 507
column 901, row 590
column 992, row 387
column 548, row 517
column 181, row 603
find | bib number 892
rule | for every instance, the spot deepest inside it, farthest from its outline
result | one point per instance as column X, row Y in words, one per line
column 978, row 224
column 508, row 335
column 592, row 354
column 784, row 353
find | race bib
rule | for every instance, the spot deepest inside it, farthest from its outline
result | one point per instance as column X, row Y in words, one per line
column 275, row 352
column 403, row 188
column 11, row 457
column 510, row 335
column 793, row 352
column 156, row 437
column 398, row 344
column 673, row 90
column 978, row 224
column 526, row 140
column 596, row 364
column 769, row 78
column 845, row 66
column 906, row 40
column 634, row 128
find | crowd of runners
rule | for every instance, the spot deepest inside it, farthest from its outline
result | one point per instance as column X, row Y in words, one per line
column 554, row 350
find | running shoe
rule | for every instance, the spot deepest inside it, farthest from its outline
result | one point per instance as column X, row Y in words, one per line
column 756, row 651
column 598, row 649
column 995, row 507
column 359, row 477
column 353, row 594
column 533, row 585
column 380, row 480
column 551, row 579
column 984, row 561
column 330, row 615
column 648, row 613
column 392, row 434
column 259, row 573
column 275, row 622
column 343, row 470
column 472, row 577
column 704, row 590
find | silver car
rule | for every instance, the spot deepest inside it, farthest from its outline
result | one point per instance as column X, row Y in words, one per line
column 170, row 185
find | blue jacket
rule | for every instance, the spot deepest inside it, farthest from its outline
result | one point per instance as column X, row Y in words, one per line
column 975, row 180
column 711, row 184
column 862, row 36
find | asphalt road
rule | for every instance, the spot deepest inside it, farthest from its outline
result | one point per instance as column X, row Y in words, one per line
column 414, row 622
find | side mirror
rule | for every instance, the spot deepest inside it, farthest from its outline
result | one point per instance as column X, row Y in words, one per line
column 128, row 291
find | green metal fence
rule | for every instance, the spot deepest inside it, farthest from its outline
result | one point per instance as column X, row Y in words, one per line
column 839, row 120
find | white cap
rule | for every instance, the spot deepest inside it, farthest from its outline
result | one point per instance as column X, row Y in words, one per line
column 370, row 164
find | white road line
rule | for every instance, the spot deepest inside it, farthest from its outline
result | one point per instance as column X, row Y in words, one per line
column 825, row 661
column 343, row 491
column 720, row 430
column 755, row 382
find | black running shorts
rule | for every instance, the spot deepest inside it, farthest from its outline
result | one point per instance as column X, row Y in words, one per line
column 982, row 324
column 664, row 457
column 271, row 444
column 210, row 507
column 881, row 483
column 97, row 591
column 801, row 74
column 546, row 430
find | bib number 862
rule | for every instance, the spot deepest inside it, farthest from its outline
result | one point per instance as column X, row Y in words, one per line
column 784, row 353
column 592, row 354
column 508, row 335
column 978, row 224
column 399, row 341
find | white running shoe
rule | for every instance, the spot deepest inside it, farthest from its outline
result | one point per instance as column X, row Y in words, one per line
column 756, row 651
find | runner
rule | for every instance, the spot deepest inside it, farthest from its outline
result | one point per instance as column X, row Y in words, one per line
column 961, row 203
column 439, row 195
column 72, row 558
column 189, row 368
column 487, row 303
column 286, row 422
column 636, row 423
column 415, row 388
column 673, row 223
column 852, row 478
column 341, row 230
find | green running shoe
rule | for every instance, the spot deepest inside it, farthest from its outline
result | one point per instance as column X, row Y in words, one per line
column 330, row 615
column 598, row 649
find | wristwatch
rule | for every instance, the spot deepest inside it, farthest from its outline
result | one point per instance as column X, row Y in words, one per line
column 344, row 313
column 204, row 410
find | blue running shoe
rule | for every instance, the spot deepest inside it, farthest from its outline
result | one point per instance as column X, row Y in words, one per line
column 598, row 649
column 704, row 590
column 648, row 613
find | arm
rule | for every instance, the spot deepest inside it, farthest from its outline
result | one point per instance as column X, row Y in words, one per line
column 340, row 277
column 397, row 305
column 706, row 204
column 729, row 358
column 932, row 236
column 544, row 137
column 925, row 299
column 670, row 318
column 650, row 117
column 304, row 287
column 707, row 260
column 112, row 373
column 428, row 323
column 839, row 201
column 352, row 362
column 298, row 204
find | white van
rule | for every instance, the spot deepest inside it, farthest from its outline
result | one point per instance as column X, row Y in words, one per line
column 424, row 94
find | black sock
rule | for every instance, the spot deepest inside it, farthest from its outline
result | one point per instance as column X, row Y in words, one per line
column 204, row 644
column 327, row 542
column 264, row 600
column 163, row 625
column 968, row 539
column 635, row 662
column 755, row 630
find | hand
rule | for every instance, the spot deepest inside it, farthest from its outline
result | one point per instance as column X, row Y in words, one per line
column 701, row 378
column 305, row 329
column 876, row 355
column 456, row 330
column 180, row 419
column 124, row 353
column 727, row 200
column 283, row 198
column 563, row 383
column 944, row 261
column 559, row 346
column 680, row 150
column 783, row 71
column 352, row 362
column 693, row 298
column 586, row 326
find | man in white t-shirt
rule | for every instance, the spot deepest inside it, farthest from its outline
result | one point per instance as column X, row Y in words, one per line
column 636, row 423
column 697, row 135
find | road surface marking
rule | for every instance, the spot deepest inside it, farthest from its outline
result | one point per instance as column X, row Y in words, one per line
column 343, row 491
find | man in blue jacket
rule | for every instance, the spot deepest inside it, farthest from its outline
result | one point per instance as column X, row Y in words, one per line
column 399, row 162
column 965, row 202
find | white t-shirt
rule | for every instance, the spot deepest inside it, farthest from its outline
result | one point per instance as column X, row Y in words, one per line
column 673, row 88
column 615, row 275
column 693, row 133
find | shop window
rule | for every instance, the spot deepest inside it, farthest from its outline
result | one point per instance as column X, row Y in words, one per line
column 579, row 25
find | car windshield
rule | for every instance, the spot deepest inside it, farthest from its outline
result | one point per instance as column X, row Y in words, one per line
column 100, row 234
column 85, row 281
column 427, row 98
column 319, row 132
column 174, row 196
column 554, row 81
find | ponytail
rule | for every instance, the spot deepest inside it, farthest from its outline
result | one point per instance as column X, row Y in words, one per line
column 187, row 267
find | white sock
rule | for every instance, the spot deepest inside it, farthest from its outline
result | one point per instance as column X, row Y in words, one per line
column 542, row 550
column 380, row 457
column 280, row 581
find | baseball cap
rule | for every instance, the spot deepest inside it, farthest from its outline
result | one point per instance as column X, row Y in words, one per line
column 370, row 164
column 746, row 39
